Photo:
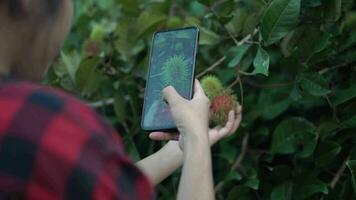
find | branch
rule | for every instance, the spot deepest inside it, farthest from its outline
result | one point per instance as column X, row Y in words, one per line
column 272, row 85
column 212, row 67
column 247, row 38
column 339, row 173
column 323, row 71
column 104, row 102
column 239, row 159
column 246, row 73
column 237, row 163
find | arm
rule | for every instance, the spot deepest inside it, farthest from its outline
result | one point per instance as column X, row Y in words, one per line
column 163, row 163
column 192, row 120
column 197, row 178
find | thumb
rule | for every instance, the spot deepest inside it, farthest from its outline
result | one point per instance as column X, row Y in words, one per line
column 198, row 90
column 171, row 95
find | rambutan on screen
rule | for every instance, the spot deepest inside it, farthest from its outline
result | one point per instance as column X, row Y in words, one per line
column 172, row 62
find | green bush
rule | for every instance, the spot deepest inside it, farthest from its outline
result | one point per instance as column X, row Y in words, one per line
column 292, row 62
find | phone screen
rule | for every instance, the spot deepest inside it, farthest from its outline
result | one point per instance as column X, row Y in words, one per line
column 172, row 62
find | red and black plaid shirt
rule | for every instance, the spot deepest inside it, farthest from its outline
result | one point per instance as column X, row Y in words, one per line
column 53, row 147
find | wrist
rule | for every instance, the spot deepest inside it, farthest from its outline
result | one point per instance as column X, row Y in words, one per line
column 172, row 147
column 196, row 142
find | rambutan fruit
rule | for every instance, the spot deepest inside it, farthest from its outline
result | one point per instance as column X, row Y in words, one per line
column 211, row 86
column 221, row 105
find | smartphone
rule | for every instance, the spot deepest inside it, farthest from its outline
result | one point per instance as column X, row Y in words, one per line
column 172, row 62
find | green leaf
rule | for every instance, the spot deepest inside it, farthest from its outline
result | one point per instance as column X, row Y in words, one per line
column 71, row 63
column 314, row 84
column 253, row 183
column 207, row 37
column 309, row 186
column 105, row 4
column 233, row 175
column 351, row 164
column 131, row 149
column 228, row 152
column 236, row 24
column 349, row 123
column 280, row 17
column 205, row 2
column 130, row 6
column 332, row 10
column 311, row 41
column 123, row 43
column 261, row 62
column 87, row 77
column 309, row 141
column 148, row 19
column 326, row 152
column 120, row 107
column 289, row 133
column 342, row 96
column 283, row 191
column 275, row 109
column 311, row 3
column 251, row 23
column 240, row 192
column 235, row 54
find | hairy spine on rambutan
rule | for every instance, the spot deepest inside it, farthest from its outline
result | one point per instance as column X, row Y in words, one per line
column 211, row 86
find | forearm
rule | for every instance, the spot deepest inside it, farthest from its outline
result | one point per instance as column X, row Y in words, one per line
column 197, row 180
column 163, row 163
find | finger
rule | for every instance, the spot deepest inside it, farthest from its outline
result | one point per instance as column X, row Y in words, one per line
column 237, row 122
column 161, row 136
column 171, row 95
column 238, row 109
column 227, row 129
column 198, row 90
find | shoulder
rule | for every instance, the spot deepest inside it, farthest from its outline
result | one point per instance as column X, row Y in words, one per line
column 26, row 101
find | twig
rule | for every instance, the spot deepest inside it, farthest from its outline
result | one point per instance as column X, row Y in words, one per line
column 212, row 67
column 241, row 90
column 273, row 85
column 258, row 151
column 323, row 71
column 236, row 81
column 246, row 73
column 339, row 173
column 247, row 38
column 237, row 163
column 233, row 38
column 241, row 157
column 104, row 102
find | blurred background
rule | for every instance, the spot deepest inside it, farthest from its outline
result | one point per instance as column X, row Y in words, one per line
column 292, row 64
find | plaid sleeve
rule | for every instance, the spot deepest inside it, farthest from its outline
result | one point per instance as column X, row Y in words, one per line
column 53, row 147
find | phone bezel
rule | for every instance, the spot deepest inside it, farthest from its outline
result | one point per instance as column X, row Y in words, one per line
column 168, row 129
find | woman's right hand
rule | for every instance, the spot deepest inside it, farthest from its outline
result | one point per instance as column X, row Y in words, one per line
column 191, row 116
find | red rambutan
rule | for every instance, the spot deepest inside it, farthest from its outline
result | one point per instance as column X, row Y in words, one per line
column 221, row 105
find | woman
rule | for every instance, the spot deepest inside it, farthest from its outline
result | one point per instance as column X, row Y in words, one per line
column 54, row 147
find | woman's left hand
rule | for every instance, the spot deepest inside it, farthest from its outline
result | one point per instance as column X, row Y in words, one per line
column 215, row 134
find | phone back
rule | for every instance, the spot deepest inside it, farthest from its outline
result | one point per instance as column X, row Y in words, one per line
column 172, row 62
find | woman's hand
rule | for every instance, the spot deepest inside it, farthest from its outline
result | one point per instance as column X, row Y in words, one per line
column 190, row 116
column 215, row 134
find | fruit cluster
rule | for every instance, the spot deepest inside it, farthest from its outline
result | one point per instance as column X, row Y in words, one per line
column 222, row 99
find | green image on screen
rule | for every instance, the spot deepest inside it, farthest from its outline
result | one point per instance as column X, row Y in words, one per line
column 172, row 62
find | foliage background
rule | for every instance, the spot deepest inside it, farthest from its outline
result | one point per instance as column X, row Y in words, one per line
column 292, row 63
